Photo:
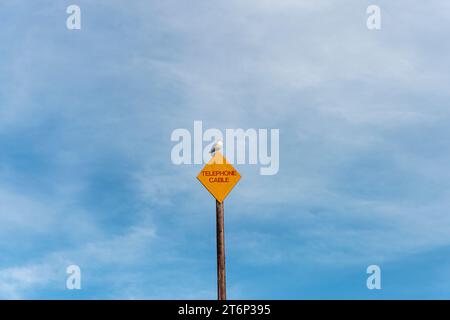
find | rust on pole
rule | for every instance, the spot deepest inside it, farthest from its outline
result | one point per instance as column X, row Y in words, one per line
column 221, row 274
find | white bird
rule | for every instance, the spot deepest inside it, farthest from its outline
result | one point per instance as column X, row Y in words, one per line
column 216, row 147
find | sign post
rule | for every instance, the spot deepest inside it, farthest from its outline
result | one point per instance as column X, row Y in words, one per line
column 219, row 178
column 221, row 272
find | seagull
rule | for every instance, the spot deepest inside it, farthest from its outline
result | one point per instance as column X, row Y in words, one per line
column 216, row 147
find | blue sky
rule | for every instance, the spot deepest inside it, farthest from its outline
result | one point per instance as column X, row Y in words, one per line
column 85, row 170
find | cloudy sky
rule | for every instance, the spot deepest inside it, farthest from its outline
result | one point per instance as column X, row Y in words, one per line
column 86, row 176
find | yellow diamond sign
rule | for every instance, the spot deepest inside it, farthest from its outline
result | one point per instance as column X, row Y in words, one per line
column 219, row 177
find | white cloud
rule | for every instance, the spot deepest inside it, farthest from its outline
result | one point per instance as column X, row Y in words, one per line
column 339, row 94
column 16, row 281
column 49, row 272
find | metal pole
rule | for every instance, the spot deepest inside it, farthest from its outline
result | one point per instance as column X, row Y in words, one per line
column 221, row 275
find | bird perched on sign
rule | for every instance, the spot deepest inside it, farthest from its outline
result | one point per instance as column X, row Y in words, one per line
column 216, row 147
